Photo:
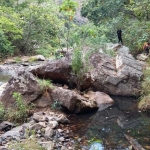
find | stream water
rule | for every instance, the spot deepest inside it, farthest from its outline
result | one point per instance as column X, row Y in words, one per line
column 108, row 127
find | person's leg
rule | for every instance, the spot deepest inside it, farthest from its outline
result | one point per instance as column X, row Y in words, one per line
column 147, row 51
column 121, row 40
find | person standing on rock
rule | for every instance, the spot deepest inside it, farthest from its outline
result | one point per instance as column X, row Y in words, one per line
column 119, row 33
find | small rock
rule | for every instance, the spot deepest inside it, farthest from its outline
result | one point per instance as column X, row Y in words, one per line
column 36, row 126
column 49, row 132
column 38, row 118
column 62, row 119
column 67, row 132
column 79, row 139
column 60, row 130
column 38, row 58
column 43, row 124
column 62, row 139
column 53, row 124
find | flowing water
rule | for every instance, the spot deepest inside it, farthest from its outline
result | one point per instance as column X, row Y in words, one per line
column 108, row 127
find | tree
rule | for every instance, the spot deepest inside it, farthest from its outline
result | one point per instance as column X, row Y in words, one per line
column 10, row 28
column 38, row 27
column 5, row 46
column 100, row 10
column 68, row 9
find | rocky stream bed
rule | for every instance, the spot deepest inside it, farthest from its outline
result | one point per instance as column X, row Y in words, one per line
column 112, row 120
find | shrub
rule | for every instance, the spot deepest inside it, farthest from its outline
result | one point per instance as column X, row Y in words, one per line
column 21, row 110
column 45, row 85
column 79, row 66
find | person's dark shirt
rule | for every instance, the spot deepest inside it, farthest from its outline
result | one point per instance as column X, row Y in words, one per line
column 119, row 32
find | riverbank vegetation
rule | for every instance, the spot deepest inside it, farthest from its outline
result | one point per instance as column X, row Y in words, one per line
column 43, row 26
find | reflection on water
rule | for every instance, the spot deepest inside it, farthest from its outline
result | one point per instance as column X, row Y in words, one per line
column 111, row 124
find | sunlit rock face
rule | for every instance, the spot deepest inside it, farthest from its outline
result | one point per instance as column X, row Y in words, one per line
column 117, row 76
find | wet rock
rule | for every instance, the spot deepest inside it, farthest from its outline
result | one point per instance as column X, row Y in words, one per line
column 6, row 126
column 72, row 100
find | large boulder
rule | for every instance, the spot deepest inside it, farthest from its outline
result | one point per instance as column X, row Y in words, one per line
column 58, row 70
column 72, row 100
column 116, row 76
column 27, row 85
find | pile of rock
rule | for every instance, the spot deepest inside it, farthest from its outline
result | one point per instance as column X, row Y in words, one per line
column 46, row 131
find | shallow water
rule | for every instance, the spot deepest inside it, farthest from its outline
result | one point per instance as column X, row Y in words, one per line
column 109, row 126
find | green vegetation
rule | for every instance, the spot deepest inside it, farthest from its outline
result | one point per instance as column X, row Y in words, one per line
column 27, row 144
column 2, row 111
column 94, row 140
column 145, row 93
column 79, row 66
column 19, row 112
column 43, row 27
column 132, row 16
column 45, row 85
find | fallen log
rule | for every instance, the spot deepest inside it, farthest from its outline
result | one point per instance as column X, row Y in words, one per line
column 134, row 143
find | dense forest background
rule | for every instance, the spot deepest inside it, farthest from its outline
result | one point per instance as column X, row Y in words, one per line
column 43, row 26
